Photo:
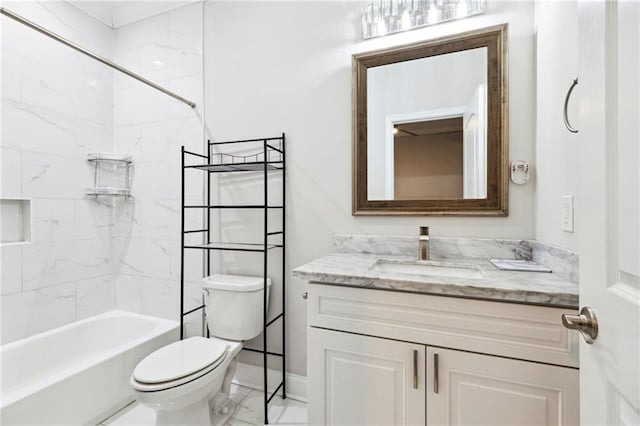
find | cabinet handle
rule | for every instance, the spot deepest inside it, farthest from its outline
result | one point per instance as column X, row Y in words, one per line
column 566, row 107
column 415, row 369
column 435, row 373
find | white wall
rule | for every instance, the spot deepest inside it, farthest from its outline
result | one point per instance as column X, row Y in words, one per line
column 556, row 149
column 57, row 106
column 273, row 67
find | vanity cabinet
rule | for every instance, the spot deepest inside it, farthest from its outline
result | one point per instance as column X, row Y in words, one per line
column 390, row 358
column 362, row 380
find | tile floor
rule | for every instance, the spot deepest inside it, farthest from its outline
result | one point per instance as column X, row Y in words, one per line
column 248, row 412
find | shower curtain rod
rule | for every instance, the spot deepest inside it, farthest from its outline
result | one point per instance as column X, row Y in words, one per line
column 92, row 55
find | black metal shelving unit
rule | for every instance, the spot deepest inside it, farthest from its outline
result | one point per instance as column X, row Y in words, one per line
column 271, row 158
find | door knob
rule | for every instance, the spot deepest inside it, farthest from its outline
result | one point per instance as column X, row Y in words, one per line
column 586, row 323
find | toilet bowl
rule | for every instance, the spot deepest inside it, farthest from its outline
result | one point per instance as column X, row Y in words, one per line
column 188, row 382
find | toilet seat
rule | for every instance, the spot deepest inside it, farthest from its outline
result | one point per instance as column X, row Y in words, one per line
column 179, row 363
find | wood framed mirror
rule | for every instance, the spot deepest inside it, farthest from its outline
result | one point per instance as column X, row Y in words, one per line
column 430, row 127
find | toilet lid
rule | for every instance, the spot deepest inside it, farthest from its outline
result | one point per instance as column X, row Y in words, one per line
column 179, row 359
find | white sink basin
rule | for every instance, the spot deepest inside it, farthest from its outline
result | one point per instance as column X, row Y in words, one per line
column 427, row 270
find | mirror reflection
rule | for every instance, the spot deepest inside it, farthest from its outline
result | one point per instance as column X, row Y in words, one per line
column 427, row 128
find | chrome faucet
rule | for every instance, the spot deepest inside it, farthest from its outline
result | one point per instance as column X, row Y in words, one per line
column 423, row 243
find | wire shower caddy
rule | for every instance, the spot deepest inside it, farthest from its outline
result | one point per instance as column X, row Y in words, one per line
column 271, row 158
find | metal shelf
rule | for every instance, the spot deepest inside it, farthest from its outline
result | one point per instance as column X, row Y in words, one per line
column 109, row 157
column 270, row 157
column 238, row 167
column 233, row 246
column 235, row 206
column 120, row 192
column 111, row 174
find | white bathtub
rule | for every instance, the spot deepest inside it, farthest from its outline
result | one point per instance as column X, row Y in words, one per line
column 79, row 373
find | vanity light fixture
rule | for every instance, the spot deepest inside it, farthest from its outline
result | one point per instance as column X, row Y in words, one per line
column 383, row 17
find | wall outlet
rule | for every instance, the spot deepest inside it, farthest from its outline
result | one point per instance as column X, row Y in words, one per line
column 567, row 213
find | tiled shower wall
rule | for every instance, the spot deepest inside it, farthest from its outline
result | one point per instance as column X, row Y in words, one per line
column 57, row 106
column 89, row 256
column 151, row 127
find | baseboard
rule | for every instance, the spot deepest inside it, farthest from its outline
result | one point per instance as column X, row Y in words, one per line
column 250, row 375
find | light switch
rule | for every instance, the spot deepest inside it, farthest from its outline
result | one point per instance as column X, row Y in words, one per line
column 567, row 213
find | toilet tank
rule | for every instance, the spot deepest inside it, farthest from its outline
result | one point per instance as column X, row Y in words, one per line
column 234, row 305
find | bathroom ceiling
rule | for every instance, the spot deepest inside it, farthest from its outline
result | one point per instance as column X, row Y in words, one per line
column 116, row 13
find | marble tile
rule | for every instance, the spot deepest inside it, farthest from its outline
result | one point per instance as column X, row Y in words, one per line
column 280, row 411
column 11, row 273
column 10, row 78
column 295, row 413
column 52, row 176
column 128, row 292
column 161, row 141
column 186, row 26
column 161, row 298
column 132, row 415
column 152, row 31
column 193, row 263
column 61, row 88
column 193, row 294
column 127, row 140
column 441, row 248
column 52, row 220
column 31, row 312
column 159, row 219
column 239, row 393
column 152, row 182
column 285, row 412
column 164, row 62
column 190, row 87
column 94, row 219
column 355, row 270
column 235, row 422
column 479, row 248
column 139, row 256
column 95, row 296
column 67, row 21
column 55, row 263
column 25, row 127
column 128, row 57
column 561, row 261
column 10, row 173
column 140, row 104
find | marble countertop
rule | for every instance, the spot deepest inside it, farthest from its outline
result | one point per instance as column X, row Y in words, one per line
column 354, row 270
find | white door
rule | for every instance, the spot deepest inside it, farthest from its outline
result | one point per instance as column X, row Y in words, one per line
column 474, row 147
column 465, row 388
column 608, row 214
column 358, row 380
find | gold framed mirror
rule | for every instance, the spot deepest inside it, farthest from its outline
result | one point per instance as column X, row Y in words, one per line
column 430, row 127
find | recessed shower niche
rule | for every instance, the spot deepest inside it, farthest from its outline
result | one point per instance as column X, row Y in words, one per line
column 15, row 214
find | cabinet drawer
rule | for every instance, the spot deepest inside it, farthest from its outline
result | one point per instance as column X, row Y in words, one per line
column 506, row 329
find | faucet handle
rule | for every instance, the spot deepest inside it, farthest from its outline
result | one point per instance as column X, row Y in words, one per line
column 424, row 230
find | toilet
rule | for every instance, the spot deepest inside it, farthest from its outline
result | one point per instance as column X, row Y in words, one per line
column 188, row 382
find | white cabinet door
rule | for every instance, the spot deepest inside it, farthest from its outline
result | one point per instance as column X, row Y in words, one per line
column 474, row 389
column 359, row 380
